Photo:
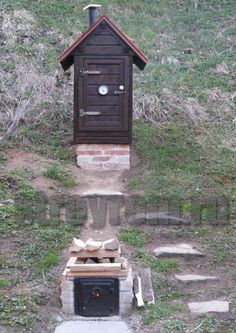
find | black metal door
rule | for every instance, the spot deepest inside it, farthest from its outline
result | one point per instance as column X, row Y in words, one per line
column 96, row 296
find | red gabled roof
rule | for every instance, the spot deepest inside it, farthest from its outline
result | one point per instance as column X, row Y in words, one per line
column 66, row 59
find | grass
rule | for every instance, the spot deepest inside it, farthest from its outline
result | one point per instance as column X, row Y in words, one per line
column 57, row 173
column 48, row 261
column 184, row 135
column 133, row 236
column 171, row 326
column 32, row 253
column 18, row 311
column 3, row 283
column 160, row 311
column 164, row 266
column 177, row 165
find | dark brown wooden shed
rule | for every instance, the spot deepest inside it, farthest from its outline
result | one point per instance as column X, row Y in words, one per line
column 103, row 56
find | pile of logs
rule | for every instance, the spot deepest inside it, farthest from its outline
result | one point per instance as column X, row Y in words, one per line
column 96, row 258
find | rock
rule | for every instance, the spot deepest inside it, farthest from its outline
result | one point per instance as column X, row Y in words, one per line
column 76, row 245
column 96, row 325
column 92, row 245
column 111, row 244
column 177, row 250
column 210, row 306
column 195, row 278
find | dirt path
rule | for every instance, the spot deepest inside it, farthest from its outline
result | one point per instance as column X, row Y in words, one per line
column 87, row 180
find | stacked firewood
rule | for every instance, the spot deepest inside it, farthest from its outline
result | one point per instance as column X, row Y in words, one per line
column 96, row 257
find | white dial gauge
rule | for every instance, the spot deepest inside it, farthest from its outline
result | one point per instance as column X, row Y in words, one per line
column 103, row 89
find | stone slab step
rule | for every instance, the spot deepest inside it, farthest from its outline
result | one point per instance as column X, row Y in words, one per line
column 177, row 250
column 195, row 278
column 210, row 306
column 93, row 326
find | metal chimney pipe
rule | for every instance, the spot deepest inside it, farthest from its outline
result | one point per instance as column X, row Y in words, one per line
column 92, row 13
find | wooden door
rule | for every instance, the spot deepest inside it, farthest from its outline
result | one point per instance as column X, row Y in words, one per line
column 103, row 95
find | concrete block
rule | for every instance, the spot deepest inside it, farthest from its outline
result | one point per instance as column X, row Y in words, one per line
column 126, row 297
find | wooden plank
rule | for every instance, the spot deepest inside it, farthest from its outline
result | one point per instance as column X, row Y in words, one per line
column 101, row 253
column 107, row 100
column 104, row 50
column 118, row 273
column 102, row 40
column 71, row 261
column 108, row 68
column 95, row 267
column 104, row 79
column 105, row 110
column 146, row 286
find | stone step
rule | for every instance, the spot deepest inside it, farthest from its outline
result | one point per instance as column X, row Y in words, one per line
column 177, row 250
column 187, row 278
column 209, row 306
column 96, row 326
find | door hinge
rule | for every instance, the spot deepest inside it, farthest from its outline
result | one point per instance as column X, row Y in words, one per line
column 83, row 72
column 83, row 113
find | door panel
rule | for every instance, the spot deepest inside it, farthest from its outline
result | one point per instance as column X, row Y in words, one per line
column 103, row 79
column 104, row 100
column 112, row 108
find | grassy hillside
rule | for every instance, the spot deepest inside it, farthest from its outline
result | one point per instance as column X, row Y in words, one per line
column 184, row 133
column 185, row 96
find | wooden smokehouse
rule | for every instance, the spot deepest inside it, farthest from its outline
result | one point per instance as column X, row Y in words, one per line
column 103, row 57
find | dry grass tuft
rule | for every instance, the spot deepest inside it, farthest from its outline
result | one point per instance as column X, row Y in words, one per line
column 29, row 95
column 156, row 109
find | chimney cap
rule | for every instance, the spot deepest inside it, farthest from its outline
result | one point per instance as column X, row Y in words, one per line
column 92, row 6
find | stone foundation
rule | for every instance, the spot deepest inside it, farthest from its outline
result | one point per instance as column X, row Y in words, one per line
column 103, row 156
column 126, row 292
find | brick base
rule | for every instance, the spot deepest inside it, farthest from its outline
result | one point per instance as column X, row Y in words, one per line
column 103, row 156
column 126, row 293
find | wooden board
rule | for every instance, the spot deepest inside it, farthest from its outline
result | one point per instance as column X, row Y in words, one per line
column 118, row 273
column 95, row 267
column 146, row 286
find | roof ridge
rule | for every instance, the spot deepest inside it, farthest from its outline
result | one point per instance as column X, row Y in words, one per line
column 138, row 53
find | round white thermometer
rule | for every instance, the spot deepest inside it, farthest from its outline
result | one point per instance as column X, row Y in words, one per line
column 103, row 89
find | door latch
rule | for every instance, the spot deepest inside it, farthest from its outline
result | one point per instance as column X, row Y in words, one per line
column 83, row 113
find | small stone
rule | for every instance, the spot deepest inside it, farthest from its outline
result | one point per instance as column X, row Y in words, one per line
column 92, row 245
column 195, row 278
column 177, row 250
column 111, row 244
column 210, row 306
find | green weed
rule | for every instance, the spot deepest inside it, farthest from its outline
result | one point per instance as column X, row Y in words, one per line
column 163, row 266
column 3, row 283
column 172, row 326
column 18, row 310
column 133, row 237
column 57, row 173
column 48, row 261
column 160, row 311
